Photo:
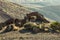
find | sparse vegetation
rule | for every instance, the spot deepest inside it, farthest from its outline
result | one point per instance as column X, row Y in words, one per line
column 55, row 26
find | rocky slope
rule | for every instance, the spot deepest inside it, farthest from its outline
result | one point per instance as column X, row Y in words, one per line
column 12, row 10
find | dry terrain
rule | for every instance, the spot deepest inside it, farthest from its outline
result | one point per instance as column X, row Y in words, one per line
column 12, row 10
column 15, row 35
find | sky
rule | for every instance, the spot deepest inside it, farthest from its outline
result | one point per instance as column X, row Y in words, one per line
column 36, row 3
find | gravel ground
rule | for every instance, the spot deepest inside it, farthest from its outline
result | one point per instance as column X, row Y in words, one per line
column 15, row 35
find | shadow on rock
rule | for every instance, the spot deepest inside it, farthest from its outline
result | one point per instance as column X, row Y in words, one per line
column 7, row 29
column 28, row 31
column 25, row 31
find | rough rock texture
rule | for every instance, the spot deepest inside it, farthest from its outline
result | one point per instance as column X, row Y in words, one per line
column 11, row 10
column 3, row 16
column 35, row 16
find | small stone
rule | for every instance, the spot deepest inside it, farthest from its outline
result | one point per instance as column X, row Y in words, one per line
column 9, row 28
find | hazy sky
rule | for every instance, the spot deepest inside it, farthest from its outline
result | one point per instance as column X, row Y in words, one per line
column 34, row 1
column 37, row 2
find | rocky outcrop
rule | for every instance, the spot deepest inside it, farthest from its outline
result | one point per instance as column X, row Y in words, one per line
column 19, row 23
column 9, row 10
column 35, row 16
column 11, row 13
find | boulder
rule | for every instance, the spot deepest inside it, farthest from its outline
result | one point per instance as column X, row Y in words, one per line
column 36, row 30
column 20, row 23
column 8, row 28
column 36, row 17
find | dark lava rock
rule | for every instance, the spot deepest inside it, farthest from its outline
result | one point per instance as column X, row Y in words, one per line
column 1, row 25
column 20, row 23
column 35, row 30
column 9, row 28
column 39, row 17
